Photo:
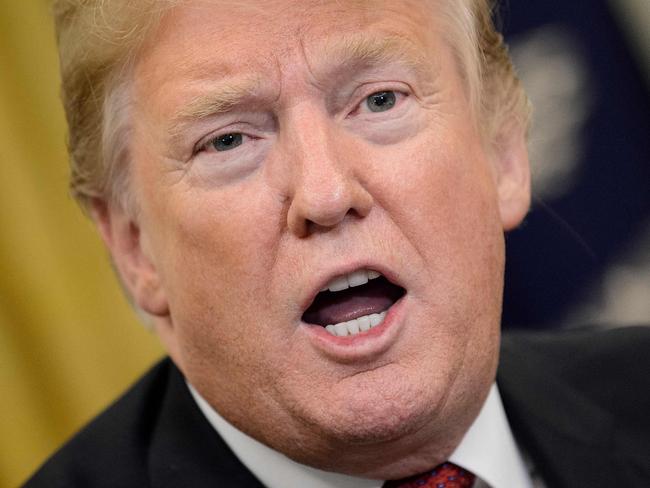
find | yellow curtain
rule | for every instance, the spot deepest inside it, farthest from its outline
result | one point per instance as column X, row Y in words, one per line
column 68, row 341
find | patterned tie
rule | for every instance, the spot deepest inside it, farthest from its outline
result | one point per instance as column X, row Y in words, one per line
column 447, row 475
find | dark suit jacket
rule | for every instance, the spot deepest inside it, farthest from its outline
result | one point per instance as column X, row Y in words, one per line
column 578, row 403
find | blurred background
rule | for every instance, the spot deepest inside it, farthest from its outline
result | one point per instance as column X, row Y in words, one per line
column 69, row 344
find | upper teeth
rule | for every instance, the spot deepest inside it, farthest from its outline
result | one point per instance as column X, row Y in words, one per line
column 356, row 278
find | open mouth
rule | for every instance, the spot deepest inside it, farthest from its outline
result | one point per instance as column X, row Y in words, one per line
column 354, row 303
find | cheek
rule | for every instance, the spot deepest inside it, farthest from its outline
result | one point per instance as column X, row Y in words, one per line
column 440, row 192
column 441, row 197
column 215, row 250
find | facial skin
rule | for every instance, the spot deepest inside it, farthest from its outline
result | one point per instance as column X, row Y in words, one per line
column 228, row 248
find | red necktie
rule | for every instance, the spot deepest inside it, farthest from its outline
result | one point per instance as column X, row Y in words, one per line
column 447, row 475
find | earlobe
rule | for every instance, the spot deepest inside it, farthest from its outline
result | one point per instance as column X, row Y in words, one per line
column 512, row 170
column 122, row 236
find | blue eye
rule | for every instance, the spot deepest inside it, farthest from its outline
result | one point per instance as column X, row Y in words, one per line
column 227, row 142
column 381, row 101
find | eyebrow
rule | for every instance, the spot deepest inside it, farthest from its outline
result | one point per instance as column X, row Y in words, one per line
column 361, row 50
column 223, row 97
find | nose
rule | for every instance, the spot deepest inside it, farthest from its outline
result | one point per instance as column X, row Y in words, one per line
column 325, row 187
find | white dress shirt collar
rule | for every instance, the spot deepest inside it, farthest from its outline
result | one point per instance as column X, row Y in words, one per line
column 488, row 450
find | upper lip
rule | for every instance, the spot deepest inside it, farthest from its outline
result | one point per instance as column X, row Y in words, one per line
column 323, row 279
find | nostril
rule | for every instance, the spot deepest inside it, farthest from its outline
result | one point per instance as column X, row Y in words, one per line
column 323, row 200
column 315, row 227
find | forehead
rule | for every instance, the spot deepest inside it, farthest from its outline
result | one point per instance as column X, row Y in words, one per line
column 204, row 35
column 291, row 19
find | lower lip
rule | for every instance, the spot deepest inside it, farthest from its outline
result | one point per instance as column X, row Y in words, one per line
column 363, row 345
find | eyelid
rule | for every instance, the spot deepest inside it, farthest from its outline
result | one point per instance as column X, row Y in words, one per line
column 205, row 145
column 205, row 142
column 253, row 123
column 365, row 91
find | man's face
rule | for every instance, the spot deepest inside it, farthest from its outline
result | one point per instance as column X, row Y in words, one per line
column 279, row 145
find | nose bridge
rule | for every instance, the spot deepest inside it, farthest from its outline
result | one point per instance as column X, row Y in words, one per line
column 317, row 166
column 324, row 187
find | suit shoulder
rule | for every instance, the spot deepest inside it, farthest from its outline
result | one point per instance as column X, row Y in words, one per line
column 111, row 450
column 567, row 348
column 607, row 365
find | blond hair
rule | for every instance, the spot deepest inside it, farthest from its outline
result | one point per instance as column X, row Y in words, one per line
column 98, row 43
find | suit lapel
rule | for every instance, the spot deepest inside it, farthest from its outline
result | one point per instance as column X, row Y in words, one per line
column 185, row 449
column 570, row 439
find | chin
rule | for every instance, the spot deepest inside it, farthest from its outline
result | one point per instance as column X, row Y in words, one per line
column 386, row 439
column 381, row 422
column 391, row 422
column 372, row 414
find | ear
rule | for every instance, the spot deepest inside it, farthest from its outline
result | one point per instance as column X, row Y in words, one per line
column 122, row 236
column 512, row 173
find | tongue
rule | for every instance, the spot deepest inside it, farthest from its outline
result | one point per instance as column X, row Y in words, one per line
column 336, row 307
